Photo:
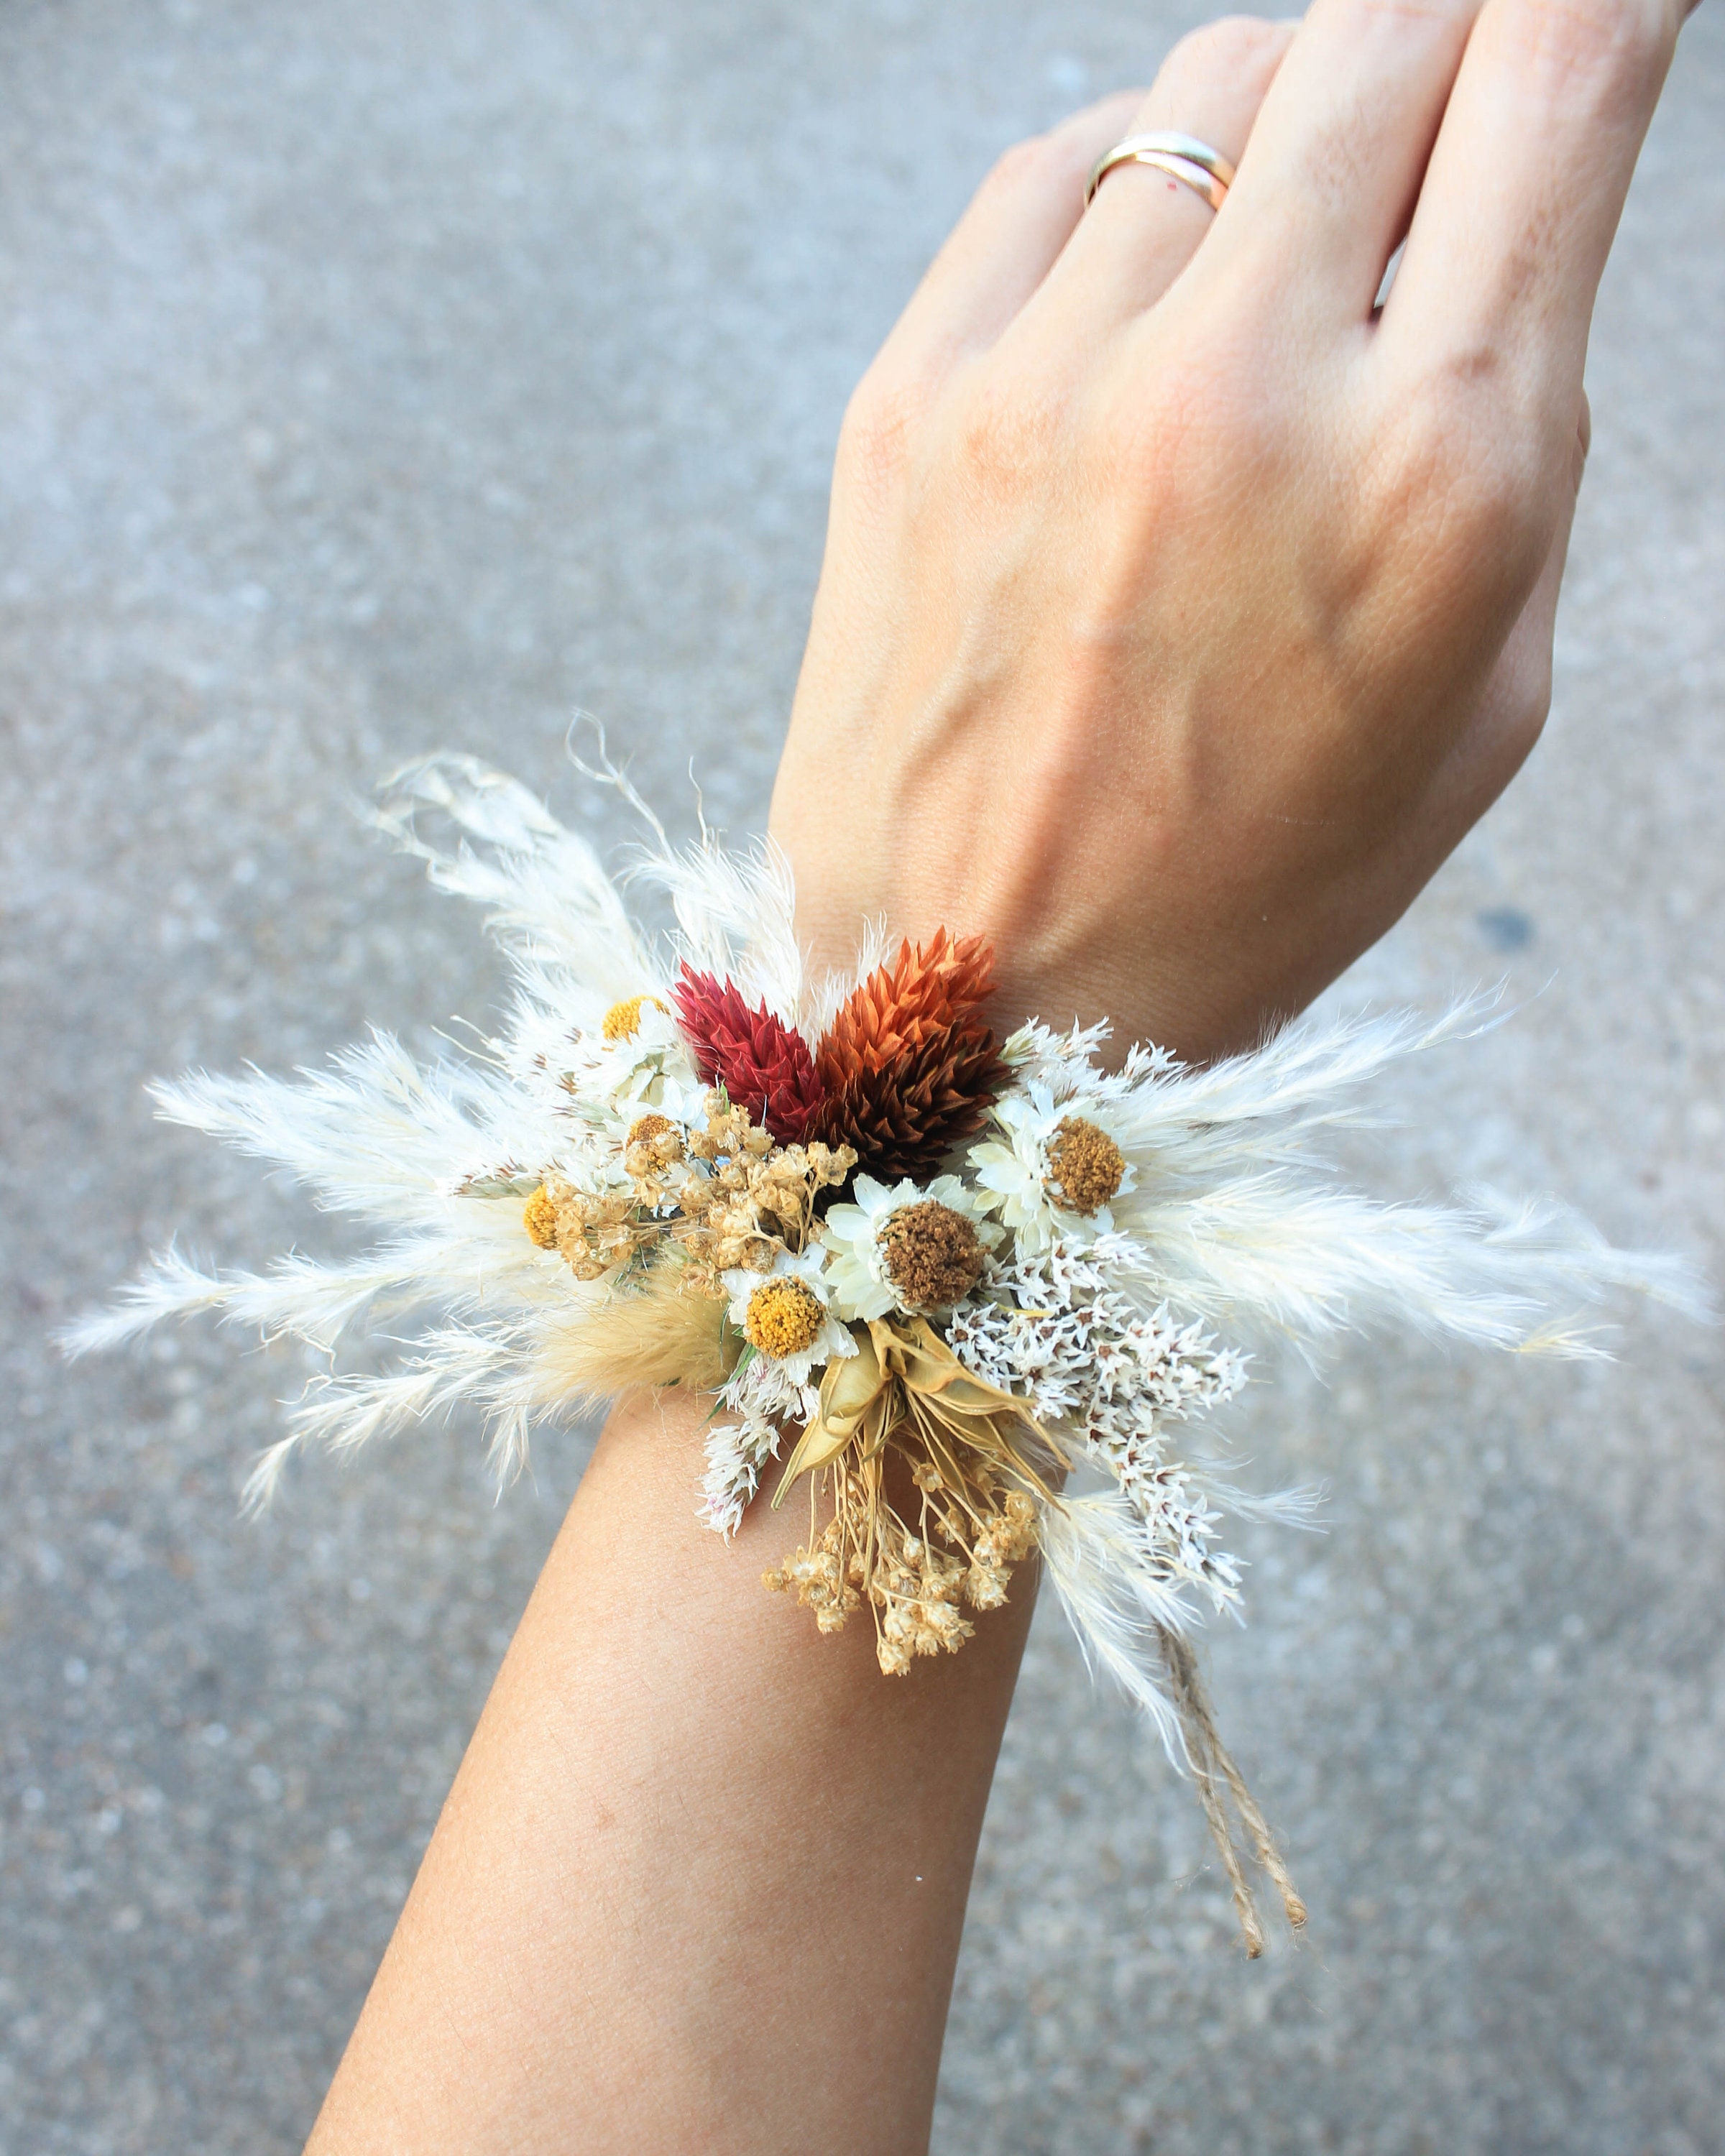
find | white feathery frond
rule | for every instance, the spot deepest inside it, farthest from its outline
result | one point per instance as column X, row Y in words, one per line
column 1092, row 1556
column 735, row 917
column 298, row 1298
column 826, row 997
column 1312, row 1262
column 548, row 899
column 453, row 1362
column 456, row 1363
column 1264, row 1106
column 1302, row 1506
column 171, row 1285
column 306, row 1299
column 372, row 1134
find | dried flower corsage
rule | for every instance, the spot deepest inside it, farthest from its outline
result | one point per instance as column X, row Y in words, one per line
column 933, row 1274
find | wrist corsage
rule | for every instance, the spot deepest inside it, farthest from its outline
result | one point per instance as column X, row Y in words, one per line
column 975, row 1297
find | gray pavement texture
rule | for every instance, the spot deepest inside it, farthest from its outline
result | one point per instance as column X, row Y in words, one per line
column 378, row 376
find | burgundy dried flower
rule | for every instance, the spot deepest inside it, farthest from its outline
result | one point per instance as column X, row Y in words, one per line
column 763, row 1064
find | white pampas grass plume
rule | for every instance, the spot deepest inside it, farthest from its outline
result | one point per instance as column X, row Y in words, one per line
column 1092, row 1551
column 1235, row 1217
column 548, row 901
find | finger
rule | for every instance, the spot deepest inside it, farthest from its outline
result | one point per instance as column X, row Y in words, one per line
column 1144, row 226
column 1339, row 147
column 1004, row 244
column 1522, row 201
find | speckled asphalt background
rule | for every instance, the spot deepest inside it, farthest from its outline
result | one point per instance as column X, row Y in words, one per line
column 378, row 376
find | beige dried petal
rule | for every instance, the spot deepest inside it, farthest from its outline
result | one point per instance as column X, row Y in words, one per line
column 985, row 1587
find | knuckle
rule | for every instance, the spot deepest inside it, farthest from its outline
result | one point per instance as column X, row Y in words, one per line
column 1462, row 475
column 1041, row 164
column 1211, row 426
column 1240, row 50
column 882, row 425
column 1608, row 52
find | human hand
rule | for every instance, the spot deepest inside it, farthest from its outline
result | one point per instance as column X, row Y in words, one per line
column 1180, row 612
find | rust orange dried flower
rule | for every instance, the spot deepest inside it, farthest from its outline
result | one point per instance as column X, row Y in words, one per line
column 910, row 1063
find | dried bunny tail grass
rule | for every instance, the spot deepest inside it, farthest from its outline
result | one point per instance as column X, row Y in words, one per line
column 648, row 1333
column 547, row 898
column 1131, row 1624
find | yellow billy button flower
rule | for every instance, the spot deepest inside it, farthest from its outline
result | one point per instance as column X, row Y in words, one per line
column 623, row 1021
column 784, row 1316
column 540, row 1217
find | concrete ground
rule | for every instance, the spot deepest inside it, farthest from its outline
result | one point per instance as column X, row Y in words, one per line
column 381, row 375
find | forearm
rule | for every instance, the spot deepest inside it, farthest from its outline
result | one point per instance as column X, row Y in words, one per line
column 693, row 1847
column 1179, row 614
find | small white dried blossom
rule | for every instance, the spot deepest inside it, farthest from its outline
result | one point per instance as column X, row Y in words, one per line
column 648, row 1068
column 827, row 1338
column 1106, row 1375
column 766, row 1399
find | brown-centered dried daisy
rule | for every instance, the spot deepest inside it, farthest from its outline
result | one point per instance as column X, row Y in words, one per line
column 932, row 1255
column 1084, row 1166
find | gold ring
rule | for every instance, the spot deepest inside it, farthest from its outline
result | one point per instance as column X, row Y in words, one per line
column 1205, row 171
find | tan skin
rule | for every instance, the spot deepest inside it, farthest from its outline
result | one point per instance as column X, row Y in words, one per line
column 1178, row 616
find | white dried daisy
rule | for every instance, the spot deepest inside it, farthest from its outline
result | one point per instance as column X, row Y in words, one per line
column 1055, row 1168
column 787, row 1315
column 638, row 1059
column 870, row 1276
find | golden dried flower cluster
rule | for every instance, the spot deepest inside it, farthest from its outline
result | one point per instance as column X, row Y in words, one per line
column 970, row 1533
column 595, row 1230
column 726, row 1195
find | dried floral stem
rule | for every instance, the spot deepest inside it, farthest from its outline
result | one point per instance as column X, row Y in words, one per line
column 1210, row 1758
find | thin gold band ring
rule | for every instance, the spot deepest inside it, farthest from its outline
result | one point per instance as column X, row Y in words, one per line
column 1205, row 171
